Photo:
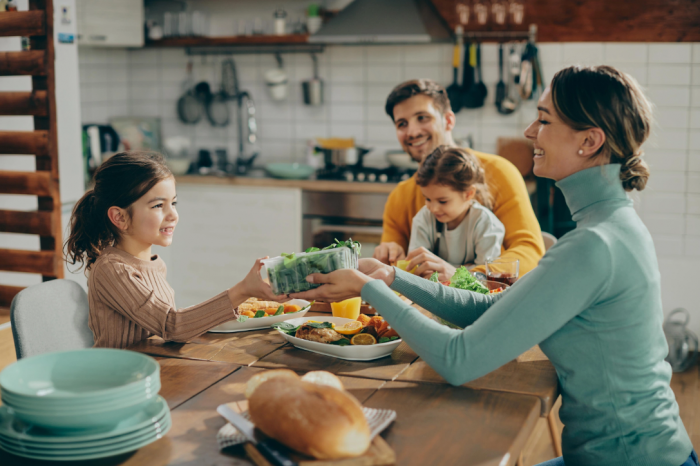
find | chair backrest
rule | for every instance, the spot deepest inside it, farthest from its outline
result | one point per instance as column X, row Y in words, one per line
column 50, row 316
column 549, row 240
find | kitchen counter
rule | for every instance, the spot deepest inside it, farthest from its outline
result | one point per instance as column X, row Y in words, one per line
column 305, row 185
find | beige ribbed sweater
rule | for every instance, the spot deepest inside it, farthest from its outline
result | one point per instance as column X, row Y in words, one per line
column 130, row 300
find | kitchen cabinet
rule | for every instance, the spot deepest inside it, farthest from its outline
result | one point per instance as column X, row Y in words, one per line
column 110, row 23
column 222, row 230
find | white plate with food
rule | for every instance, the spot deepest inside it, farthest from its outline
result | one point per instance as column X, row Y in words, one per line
column 327, row 339
column 267, row 312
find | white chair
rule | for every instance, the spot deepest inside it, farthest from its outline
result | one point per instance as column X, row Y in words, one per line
column 50, row 316
column 549, row 240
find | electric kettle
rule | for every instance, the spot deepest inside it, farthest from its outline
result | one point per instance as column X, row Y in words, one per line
column 682, row 343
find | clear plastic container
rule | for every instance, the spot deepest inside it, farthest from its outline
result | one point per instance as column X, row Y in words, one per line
column 288, row 274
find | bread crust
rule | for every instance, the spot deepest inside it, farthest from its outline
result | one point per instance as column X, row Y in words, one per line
column 316, row 420
column 260, row 378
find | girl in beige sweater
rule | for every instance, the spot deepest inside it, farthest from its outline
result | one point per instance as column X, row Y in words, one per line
column 113, row 226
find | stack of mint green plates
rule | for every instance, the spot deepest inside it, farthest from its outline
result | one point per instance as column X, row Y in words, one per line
column 83, row 404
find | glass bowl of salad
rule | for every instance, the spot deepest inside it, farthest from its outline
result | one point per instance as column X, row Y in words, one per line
column 464, row 280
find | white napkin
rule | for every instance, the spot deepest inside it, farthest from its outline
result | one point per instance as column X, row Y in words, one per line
column 378, row 420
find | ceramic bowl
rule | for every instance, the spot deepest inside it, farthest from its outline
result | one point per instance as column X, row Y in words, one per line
column 79, row 374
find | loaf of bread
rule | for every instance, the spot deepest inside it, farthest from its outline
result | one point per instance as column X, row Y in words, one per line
column 317, row 420
column 264, row 376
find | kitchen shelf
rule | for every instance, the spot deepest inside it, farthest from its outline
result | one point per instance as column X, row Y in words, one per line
column 289, row 39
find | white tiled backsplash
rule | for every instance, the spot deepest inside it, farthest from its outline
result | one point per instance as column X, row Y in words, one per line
column 148, row 82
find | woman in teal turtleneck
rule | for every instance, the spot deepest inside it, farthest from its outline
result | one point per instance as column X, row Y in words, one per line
column 593, row 303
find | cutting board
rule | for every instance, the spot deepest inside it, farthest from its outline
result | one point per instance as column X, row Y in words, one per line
column 379, row 453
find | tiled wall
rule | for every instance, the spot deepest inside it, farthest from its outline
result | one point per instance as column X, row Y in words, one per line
column 148, row 82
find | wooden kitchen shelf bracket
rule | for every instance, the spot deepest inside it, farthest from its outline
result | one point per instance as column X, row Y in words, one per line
column 254, row 49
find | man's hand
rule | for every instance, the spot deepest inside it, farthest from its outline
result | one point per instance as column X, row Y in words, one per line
column 428, row 263
column 389, row 253
column 336, row 286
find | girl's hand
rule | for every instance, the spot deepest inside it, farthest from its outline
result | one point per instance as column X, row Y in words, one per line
column 253, row 286
column 336, row 286
column 428, row 263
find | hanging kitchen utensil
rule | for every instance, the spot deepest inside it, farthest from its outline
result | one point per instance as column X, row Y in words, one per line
column 467, row 71
column 454, row 92
column 276, row 80
column 480, row 82
column 189, row 108
column 510, row 102
column 501, row 86
column 473, row 96
column 217, row 106
column 229, row 78
column 525, row 80
column 313, row 88
column 538, row 81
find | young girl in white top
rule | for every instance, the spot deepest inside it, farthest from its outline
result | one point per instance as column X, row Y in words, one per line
column 456, row 223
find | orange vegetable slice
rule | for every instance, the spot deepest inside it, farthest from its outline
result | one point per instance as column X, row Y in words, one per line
column 363, row 339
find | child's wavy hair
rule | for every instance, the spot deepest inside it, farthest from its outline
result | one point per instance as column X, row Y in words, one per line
column 120, row 181
column 457, row 168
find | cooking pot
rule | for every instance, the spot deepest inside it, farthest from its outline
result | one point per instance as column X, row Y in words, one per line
column 343, row 157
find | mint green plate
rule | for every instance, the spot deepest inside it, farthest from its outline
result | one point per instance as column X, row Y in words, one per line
column 87, row 374
column 137, row 434
column 14, row 429
column 291, row 171
column 67, row 406
column 89, row 453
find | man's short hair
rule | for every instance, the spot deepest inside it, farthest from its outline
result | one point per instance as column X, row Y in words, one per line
column 408, row 89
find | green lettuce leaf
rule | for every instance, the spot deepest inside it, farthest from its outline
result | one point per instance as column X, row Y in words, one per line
column 464, row 280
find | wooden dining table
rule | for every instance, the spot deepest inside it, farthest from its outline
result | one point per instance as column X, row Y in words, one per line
column 488, row 421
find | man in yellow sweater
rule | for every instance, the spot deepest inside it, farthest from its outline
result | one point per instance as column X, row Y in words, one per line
column 423, row 120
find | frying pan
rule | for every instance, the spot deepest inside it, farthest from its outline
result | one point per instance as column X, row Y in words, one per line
column 189, row 108
column 217, row 106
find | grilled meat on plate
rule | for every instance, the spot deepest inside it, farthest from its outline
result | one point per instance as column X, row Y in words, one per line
column 321, row 335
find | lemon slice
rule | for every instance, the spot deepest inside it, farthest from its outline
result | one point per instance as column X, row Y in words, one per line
column 363, row 339
column 350, row 328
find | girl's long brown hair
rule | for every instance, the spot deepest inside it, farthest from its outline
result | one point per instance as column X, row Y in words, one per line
column 603, row 97
column 457, row 168
column 120, row 181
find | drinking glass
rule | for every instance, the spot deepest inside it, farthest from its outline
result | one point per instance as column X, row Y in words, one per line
column 503, row 270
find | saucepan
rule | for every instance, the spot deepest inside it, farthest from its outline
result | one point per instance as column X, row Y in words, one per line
column 343, row 157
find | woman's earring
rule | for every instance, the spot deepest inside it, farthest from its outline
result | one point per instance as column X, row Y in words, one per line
column 580, row 152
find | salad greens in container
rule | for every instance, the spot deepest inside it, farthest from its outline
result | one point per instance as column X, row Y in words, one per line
column 288, row 272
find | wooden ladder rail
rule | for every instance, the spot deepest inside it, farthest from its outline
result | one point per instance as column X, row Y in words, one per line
column 40, row 103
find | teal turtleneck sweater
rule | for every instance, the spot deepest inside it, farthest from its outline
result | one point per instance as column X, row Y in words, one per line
column 593, row 304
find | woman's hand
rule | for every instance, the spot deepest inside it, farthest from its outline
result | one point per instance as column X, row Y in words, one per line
column 336, row 286
column 378, row 271
column 253, row 286
column 428, row 263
